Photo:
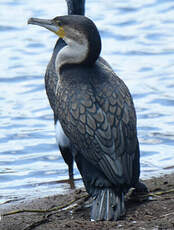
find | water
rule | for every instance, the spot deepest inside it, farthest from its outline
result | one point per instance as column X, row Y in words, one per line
column 137, row 41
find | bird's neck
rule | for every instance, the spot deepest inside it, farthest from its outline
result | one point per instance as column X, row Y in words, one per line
column 76, row 7
column 73, row 53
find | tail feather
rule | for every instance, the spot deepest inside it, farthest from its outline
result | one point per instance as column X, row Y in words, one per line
column 108, row 205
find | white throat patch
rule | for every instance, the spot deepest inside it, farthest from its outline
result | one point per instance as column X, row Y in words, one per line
column 75, row 52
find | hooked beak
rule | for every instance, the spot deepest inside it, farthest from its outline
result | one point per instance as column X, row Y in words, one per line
column 48, row 24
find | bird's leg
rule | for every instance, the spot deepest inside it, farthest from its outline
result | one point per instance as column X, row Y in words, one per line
column 68, row 158
column 71, row 176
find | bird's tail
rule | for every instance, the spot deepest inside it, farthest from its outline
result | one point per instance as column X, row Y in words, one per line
column 108, row 205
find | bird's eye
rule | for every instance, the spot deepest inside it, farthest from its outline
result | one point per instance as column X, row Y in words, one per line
column 59, row 23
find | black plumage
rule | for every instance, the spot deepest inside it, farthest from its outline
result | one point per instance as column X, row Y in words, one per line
column 97, row 115
column 51, row 78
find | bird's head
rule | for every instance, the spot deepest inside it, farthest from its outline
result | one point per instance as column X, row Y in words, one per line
column 74, row 29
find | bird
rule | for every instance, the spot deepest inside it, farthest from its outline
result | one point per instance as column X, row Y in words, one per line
column 97, row 116
column 51, row 78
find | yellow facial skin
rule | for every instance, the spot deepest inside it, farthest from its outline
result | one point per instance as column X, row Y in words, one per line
column 61, row 32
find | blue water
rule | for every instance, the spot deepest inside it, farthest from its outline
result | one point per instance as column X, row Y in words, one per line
column 137, row 39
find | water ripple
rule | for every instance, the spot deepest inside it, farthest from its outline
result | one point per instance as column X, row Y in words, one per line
column 137, row 39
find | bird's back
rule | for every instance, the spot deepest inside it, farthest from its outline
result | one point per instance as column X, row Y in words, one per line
column 98, row 115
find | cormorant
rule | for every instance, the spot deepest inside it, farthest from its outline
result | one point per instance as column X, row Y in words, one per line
column 97, row 116
column 51, row 78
